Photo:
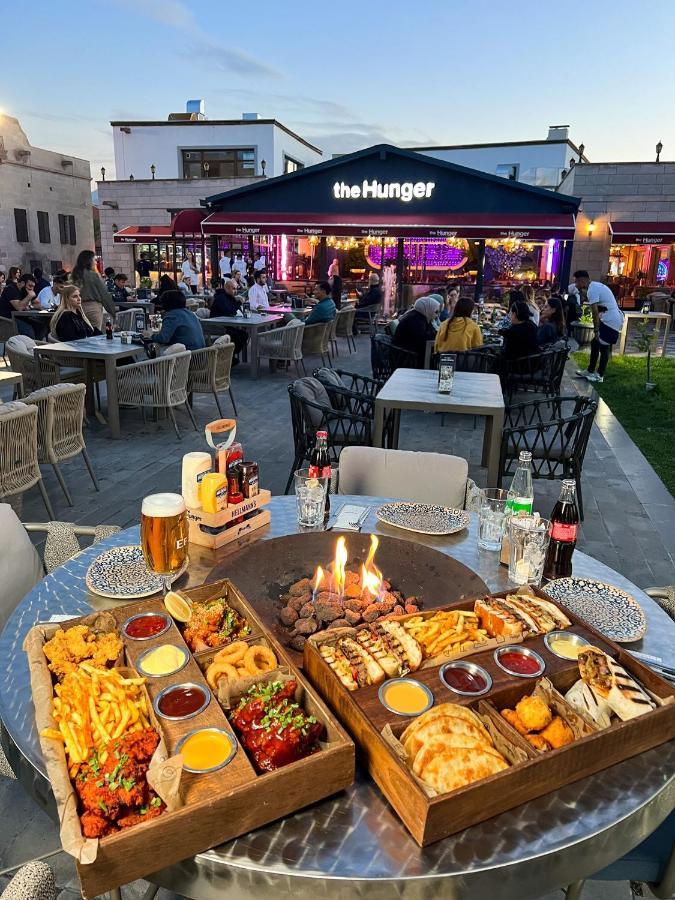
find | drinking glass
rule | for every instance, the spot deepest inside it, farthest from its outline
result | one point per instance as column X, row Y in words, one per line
column 164, row 535
column 529, row 542
column 310, row 494
column 491, row 518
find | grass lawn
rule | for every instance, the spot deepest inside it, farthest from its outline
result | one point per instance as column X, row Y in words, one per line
column 649, row 418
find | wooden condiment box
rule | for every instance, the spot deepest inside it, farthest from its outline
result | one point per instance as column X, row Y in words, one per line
column 231, row 801
column 198, row 518
column 430, row 819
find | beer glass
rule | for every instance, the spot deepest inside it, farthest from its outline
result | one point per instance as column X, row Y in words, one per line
column 164, row 535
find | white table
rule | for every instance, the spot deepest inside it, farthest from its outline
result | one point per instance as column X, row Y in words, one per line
column 658, row 318
column 8, row 377
column 253, row 324
column 473, row 393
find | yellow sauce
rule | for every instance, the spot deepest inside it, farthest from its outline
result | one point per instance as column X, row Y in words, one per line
column 163, row 660
column 566, row 648
column 407, row 698
column 206, row 749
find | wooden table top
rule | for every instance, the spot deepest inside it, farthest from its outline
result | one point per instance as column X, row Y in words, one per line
column 472, row 392
column 7, row 377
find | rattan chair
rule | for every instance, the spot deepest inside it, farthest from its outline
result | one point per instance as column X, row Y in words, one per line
column 332, row 337
column 37, row 371
column 555, row 430
column 125, row 320
column 315, row 341
column 7, row 330
column 19, row 467
column 385, row 358
column 156, row 384
column 210, row 371
column 59, row 432
column 482, row 360
column 34, row 881
column 344, row 326
column 62, row 543
column 284, row 344
column 367, row 317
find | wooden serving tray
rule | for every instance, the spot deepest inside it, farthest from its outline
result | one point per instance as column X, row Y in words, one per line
column 226, row 803
column 430, row 819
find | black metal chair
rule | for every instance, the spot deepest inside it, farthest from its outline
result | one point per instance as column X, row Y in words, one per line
column 540, row 373
column 555, row 430
column 345, row 427
column 385, row 358
column 483, row 360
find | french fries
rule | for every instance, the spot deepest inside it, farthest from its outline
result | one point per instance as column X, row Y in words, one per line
column 93, row 706
column 446, row 633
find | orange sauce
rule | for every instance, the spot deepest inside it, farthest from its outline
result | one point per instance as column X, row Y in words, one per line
column 206, row 749
column 407, row 698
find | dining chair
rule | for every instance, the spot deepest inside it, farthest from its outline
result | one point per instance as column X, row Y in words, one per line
column 19, row 467
column 284, row 344
column 59, row 432
column 125, row 320
column 540, row 372
column 385, row 358
column 344, row 325
column 157, row 384
column 315, row 341
column 332, row 336
column 37, row 371
column 209, row 371
column 34, row 881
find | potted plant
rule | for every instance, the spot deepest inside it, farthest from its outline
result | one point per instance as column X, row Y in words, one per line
column 582, row 329
column 144, row 288
column 644, row 342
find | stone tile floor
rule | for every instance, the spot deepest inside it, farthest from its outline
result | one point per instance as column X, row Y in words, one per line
column 629, row 524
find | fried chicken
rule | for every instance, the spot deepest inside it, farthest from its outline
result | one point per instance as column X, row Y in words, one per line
column 77, row 644
column 538, row 742
column 534, row 713
column 513, row 718
column 212, row 624
column 558, row 733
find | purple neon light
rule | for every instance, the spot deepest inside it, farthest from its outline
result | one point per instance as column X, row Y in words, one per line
column 434, row 254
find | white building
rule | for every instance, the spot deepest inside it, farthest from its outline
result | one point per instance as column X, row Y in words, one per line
column 45, row 203
column 540, row 163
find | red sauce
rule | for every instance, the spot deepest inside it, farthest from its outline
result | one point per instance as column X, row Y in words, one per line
column 519, row 663
column 463, row 680
column 181, row 701
column 146, row 626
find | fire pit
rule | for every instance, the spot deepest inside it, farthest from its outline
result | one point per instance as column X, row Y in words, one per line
column 395, row 570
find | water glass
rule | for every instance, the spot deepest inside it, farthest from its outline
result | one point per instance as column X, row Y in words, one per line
column 529, row 542
column 310, row 494
column 491, row 518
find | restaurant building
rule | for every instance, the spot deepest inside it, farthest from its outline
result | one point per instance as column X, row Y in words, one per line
column 433, row 223
column 625, row 232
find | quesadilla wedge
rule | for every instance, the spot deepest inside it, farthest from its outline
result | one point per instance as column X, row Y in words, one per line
column 447, row 768
column 458, row 732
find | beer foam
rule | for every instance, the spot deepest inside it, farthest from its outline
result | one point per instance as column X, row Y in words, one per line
column 163, row 505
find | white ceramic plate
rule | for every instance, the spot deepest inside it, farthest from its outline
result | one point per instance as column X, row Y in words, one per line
column 425, row 518
column 121, row 574
column 608, row 609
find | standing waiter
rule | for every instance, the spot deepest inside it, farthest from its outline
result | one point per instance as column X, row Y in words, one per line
column 607, row 323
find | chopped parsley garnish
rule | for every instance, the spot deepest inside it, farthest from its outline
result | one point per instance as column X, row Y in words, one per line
column 127, row 783
column 143, row 810
column 99, row 784
column 103, row 806
column 156, row 802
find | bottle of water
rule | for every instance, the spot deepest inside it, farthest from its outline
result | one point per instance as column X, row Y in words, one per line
column 519, row 499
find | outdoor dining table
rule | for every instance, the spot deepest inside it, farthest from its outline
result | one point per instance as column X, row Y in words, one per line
column 253, row 325
column 353, row 844
column 11, row 378
column 473, row 393
column 88, row 350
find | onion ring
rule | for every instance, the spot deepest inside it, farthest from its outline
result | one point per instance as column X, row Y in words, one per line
column 259, row 659
column 218, row 670
column 232, row 654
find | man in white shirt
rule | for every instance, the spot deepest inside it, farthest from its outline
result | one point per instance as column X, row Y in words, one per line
column 239, row 265
column 225, row 265
column 607, row 323
column 49, row 296
column 257, row 295
column 258, row 262
column 189, row 270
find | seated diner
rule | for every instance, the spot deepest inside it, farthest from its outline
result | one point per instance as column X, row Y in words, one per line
column 415, row 328
column 325, row 310
column 69, row 322
column 179, row 325
column 459, row 332
column 521, row 338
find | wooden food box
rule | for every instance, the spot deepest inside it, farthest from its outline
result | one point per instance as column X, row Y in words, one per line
column 431, row 818
column 223, row 804
column 253, row 509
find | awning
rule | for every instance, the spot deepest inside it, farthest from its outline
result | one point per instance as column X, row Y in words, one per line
column 188, row 221
column 143, row 234
column 480, row 225
column 642, row 232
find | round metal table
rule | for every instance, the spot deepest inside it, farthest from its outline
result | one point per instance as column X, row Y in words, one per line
column 354, row 843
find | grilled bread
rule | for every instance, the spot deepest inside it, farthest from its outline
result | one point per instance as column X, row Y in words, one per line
column 500, row 619
column 440, row 711
column 463, row 733
column 339, row 664
column 589, row 705
column 365, row 668
column 387, row 656
column 401, row 642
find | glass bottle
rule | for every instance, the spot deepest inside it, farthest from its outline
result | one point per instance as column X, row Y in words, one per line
column 520, row 499
column 563, row 533
column 320, row 466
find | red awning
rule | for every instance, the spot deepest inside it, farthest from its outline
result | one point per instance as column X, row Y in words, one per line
column 642, row 232
column 143, row 234
column 479, row 225
column 188, row 221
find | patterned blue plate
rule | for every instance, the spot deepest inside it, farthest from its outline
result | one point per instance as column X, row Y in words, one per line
column 608, row 609
column 121, row 574
column 424, row 518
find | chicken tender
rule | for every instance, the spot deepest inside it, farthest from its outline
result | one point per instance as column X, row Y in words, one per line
column 558, row 733
column 534, row 713
column 513, row 718
column 77, row 644
column 538, row 742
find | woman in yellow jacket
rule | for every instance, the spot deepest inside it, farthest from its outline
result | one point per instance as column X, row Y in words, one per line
column 459, row 332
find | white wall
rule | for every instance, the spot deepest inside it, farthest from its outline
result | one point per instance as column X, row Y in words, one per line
column 539, row 164
column 162, row 145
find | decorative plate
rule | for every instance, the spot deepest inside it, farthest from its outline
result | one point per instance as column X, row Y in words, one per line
column 423, row 517
column 121, row 574
column 608, row 609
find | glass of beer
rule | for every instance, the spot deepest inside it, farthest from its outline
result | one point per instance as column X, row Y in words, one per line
column 164, row 535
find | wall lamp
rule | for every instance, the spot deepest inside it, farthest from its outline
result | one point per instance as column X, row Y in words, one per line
column 591, row 227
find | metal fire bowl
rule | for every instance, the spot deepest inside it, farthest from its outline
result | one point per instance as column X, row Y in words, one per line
column 265, row 571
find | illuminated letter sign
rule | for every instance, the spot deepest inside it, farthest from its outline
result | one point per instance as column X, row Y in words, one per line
column 375, row 190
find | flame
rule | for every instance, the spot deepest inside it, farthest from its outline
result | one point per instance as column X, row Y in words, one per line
column 372, row 582
column 374, row 544
column 318, row 578
column 339, row 566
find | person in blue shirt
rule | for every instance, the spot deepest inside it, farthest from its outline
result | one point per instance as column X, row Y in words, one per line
column 179, row 325
column 325, row 310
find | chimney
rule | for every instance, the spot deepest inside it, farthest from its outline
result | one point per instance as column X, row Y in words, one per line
column 558, row 132
column 250, row 117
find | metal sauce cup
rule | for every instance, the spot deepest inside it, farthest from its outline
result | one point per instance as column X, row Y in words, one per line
column 386, row 684
column 139, row 663
column 150, row 637
column 173, row 687
column 574, row 639
column 522, row 651
column 228, row 759
column 473, row 669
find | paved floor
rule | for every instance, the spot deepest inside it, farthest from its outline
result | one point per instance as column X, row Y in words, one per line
column 629, row 524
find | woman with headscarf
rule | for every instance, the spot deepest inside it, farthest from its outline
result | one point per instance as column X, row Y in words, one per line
column 415, row 328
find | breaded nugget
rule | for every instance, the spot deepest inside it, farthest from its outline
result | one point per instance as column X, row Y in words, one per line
column 512, row 718
column 558, row 733
column 538, row 742
column 534, row 713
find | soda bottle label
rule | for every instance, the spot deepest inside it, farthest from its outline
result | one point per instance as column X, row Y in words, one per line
column 565, row 533
column 520, row 504
column 323, row 472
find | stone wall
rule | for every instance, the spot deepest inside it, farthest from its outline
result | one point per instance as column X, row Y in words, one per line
column 35, row 179
column 150, row 202
column 619, row 192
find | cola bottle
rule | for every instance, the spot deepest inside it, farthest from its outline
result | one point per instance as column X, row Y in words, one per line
column 563, row 533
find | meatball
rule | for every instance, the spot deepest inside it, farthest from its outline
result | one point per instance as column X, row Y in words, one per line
column 534, row 713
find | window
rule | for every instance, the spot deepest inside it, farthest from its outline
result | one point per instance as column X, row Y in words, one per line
column 67, row 233
column 292, row 165
column 43, row 227
column 218, row 163
column 508, row 170
column 21, row 225
column 55, row 265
